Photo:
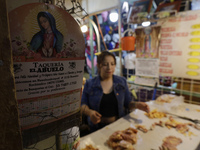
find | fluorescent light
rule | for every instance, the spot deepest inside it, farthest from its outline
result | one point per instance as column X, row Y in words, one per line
column 125, row 7
column 84, row 28
column 113, row 16
column 146, row 23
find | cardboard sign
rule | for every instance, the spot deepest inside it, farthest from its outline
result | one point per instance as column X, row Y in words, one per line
column 180, row 46
column 48, row 54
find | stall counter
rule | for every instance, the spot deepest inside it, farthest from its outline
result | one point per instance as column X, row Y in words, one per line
column 153, row 139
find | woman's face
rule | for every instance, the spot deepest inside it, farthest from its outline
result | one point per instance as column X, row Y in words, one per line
column 107, row 67
column 44, row 23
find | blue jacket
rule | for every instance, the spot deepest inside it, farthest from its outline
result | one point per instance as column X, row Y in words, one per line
column 93, row 92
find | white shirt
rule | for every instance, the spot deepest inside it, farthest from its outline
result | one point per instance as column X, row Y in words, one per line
column 117, row 68
column 129, row 61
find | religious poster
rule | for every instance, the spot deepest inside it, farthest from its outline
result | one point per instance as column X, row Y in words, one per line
column 48, row 56
column 147, row 55
column 180, row 46
column 147, row 42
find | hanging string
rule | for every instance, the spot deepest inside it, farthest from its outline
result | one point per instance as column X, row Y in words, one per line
column 46, row 1
column 74, row 10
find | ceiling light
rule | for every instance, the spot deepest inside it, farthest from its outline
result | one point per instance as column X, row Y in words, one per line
column 113, row 16
column 125, row 7
column 84, row 28
column 146, row 23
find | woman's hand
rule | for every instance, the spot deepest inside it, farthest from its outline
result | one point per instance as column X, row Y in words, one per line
column 142, row 106
column 95, row 116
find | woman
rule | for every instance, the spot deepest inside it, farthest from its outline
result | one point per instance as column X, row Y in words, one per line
column 105, row 96
column 48, row 41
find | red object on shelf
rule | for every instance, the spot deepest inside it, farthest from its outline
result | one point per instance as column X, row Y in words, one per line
column 128, row 43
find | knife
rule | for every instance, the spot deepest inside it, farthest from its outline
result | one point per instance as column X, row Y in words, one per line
column 186, row 118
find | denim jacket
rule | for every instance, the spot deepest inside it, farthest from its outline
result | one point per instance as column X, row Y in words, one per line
column 93, row 92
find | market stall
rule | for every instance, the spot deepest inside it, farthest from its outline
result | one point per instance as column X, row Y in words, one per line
column 46, row 87
column 164, row 65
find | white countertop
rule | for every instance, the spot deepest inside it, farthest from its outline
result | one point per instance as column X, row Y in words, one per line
column 152, row 139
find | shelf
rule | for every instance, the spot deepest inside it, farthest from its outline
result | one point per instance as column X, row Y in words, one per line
column 179, row 91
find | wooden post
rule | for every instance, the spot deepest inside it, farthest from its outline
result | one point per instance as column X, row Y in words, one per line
column 58, row 142
column 91, row 46
column 10, row 134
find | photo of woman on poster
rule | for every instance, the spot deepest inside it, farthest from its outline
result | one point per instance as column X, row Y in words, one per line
column 48, row 41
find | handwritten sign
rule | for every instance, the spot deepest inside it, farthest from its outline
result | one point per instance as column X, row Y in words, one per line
column 180, row 46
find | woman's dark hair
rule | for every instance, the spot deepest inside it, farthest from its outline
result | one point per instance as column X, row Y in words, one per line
column 102, row 56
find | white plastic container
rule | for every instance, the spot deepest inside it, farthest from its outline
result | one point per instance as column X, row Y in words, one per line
column 195, row 4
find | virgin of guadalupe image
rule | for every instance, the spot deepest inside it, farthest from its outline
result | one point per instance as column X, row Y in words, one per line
column 147, row 40
column 48, row 41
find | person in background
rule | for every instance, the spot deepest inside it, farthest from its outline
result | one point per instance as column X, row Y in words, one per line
column 106, row 96
column 129, row 65
column 48, row 41
column 88, row 55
